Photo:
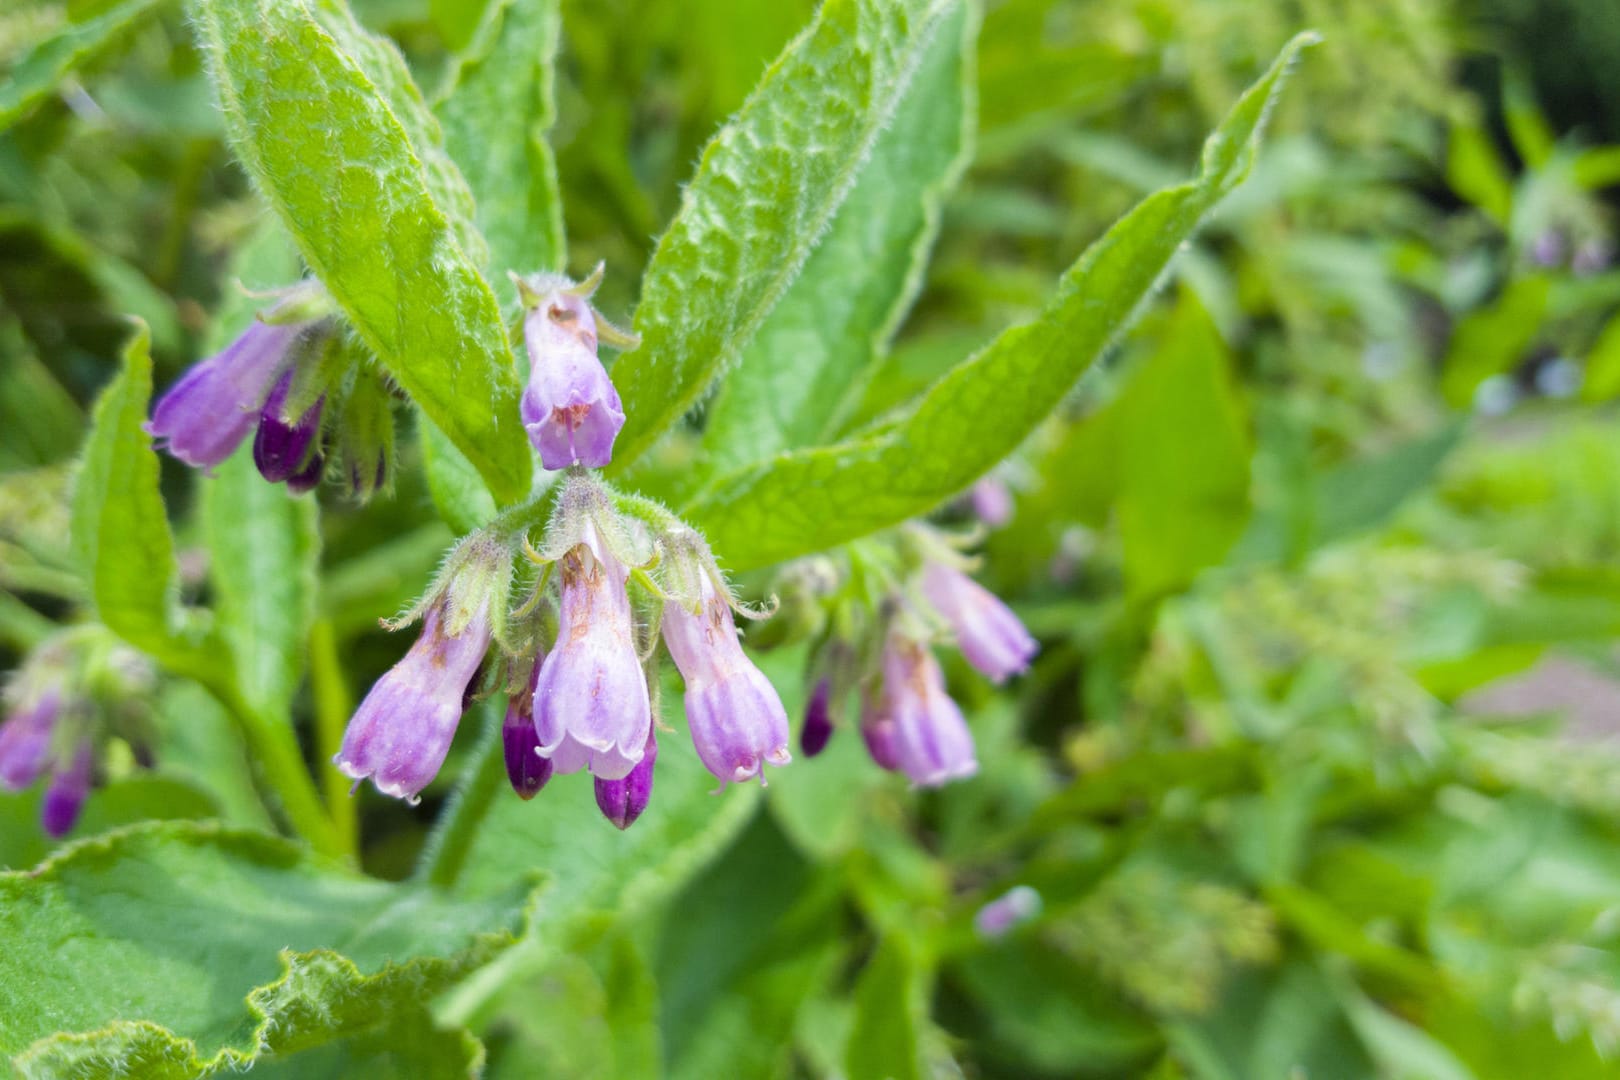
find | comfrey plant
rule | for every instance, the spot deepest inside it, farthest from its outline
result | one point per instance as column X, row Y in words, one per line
column 606, row 507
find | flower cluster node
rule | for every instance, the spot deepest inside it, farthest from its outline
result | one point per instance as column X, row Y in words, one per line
column 73, row 693
column 289, row 379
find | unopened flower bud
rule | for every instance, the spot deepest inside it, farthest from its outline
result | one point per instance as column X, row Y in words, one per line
column 622, row 801
column 818, row 726
column 525, row 768
column 988, row 633
column 992, row 501
column 283, row 447
column 1005, row 913
column 25, row 740
column 69, row 787
column 570, row 407
column 928, row 738
column 365, row 435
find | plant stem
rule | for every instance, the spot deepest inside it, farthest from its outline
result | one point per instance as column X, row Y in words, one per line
column 333, row 704
column 447, row 849
column 274, row 749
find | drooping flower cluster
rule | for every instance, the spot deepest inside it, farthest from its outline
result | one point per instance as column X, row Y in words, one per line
column 287, row 380
column 570, row 407
column 72, row 695
column 582, row 700
column 908, row 720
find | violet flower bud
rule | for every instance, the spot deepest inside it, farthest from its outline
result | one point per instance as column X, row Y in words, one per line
column 878, row 731
column 400, row 734
column 591, row 708
column 570, row 407
column 818, row 726
column 69, row 787
column 204, row 417
column 25, row 741
column 525, row 768
column 988, row 633
column 930, row 740
column 622, row 801
column 736, row 716
column 1007, row 912
column 282, row 450
column 309, row 477
column 992, row 502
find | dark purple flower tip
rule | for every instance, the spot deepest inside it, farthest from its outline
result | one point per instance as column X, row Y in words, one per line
column 988, row 633
column 25, row 741
column 400, row 734
column 570, row 407
column 308, row 478
column 992, row 501
column 525, row 768
column 930, row 740
column 204, row 417
column 622, row 801
column 282, row 450
column 736, row 716
column 591, row 707
column 818, row 726
column 65, row 796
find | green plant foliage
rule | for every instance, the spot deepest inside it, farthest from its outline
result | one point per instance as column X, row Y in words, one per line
column 380, row 245
column 34, row 74
column 767, row 188
column 212, row 946
column 985, row 406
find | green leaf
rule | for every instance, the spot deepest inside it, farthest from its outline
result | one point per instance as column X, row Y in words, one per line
column 42, row 66
column 801, row 377
column 767, row 187
column 457, row 490
column 325, row 120
column 1184, row 457
column 496, row 108
column 890, row 1012
column 263, row 548
column 807, row 500
column 120, row 533
column 171, row 949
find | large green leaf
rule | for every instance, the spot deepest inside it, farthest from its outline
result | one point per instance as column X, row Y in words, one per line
column 120, row 533
column 342, row 146
column 37, row 71
column 1183, row 457
column 806, row 500
column 263, row 547
column 496, row 108
column 170, row 949
column 802, row 374
column 766, row 189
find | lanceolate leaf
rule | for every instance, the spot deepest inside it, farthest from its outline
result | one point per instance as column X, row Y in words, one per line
column 802, row 374
column 343, row 149
column 496, row 109
column 36, row 73
column 120, row 533
column 978, row 413
column 766, row 189
column 171, row 949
